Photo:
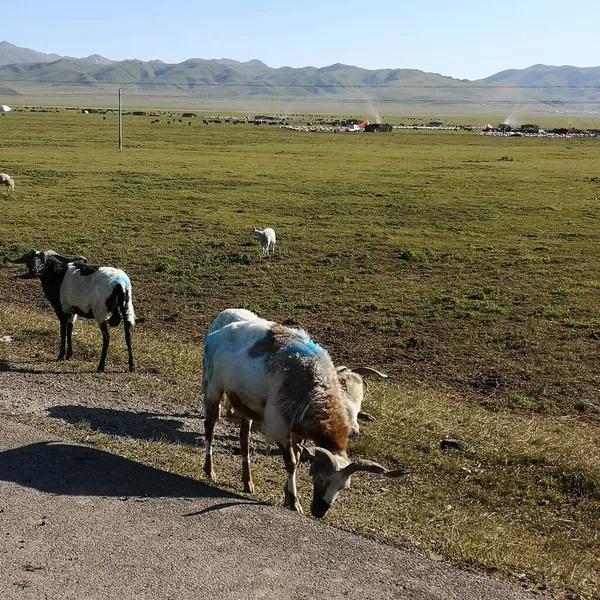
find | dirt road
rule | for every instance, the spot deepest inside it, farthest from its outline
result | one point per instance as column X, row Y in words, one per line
column 80, row 523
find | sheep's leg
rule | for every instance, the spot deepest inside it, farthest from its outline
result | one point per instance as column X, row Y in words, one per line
column 105, row 342
column 70, row 324
column 211, row 410
column 128, row 328
column 297, row 450
column 291, row 495
column 245, row 448
column 63, row 337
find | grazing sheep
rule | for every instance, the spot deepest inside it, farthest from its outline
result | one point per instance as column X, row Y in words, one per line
column 267, row 239
column 75, row 288
column 354, row 386
column 8, row 181
column 225, row 317
column 278, row 376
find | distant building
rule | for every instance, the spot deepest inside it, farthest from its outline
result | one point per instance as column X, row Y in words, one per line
column 377, row 128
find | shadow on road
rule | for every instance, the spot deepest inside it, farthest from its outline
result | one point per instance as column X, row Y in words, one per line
column 6, row 366
column 66, row 469
column 150, row 426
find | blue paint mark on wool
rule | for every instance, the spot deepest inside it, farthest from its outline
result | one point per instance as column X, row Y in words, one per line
column 305, row 347
column 122, row 279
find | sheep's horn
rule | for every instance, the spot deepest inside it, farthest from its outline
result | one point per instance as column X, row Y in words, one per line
column 369, row 371
column 21, row 260
column 371, row 467
column 69, row 260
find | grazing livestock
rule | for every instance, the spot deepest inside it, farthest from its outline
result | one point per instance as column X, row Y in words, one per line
column 278, row 376
column 225, row 317
column 267, row 239
column 74, row 289
column 8, row 181
column 354, row 387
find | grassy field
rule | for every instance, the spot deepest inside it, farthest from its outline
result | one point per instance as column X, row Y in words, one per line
column 465, row 266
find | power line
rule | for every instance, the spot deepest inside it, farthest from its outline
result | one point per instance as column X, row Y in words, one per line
column 465, row 86
column 320, row 99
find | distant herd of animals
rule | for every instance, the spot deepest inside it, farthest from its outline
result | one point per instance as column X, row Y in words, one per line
column 265, row 372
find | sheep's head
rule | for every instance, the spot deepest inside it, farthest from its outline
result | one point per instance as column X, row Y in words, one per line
column 354, row 387
column 256, row 233
column 331, row 474
column 37, row 261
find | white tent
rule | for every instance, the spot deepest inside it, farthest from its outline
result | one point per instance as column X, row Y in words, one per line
column 4, row 108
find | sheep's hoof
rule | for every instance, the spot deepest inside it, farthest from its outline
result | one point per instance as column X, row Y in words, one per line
column 296, row 507
column 249, row 487
column 68, row 356
column 60, row 358
column 132, row 368
column 100, row 369
column 210, row 473
column 292, row 503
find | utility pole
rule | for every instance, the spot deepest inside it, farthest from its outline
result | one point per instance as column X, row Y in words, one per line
column 120, row 123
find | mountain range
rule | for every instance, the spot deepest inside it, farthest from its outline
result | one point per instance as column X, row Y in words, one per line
column 23, row 71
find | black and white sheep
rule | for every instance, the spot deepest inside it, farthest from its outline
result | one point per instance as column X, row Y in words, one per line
column 74, row 289
column 8, row 181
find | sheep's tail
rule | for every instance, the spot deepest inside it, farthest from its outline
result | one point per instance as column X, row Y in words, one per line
column 120, row 305
column 126, row 306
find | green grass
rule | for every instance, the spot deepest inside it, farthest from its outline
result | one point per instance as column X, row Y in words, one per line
column 471, row 279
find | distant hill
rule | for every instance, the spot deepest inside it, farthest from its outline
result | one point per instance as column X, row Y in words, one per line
column 98, row 60
column 564, row 83
column 538, row 85
column 11, row 54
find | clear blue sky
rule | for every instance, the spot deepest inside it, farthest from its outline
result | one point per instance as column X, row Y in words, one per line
column 467, row 39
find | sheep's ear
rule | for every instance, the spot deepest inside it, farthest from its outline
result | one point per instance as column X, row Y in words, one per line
column 307, row 454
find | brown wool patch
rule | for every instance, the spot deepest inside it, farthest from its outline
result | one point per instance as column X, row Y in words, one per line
column 270, row 344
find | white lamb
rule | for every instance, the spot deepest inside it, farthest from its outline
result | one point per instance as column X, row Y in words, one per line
column 267, row 239
column 8, row 181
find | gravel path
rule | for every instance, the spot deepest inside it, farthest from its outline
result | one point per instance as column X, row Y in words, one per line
column 77, row 522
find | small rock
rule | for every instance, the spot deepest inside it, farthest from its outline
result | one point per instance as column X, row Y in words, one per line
column 41, row 523
column 6, row 339
column 382, row 489
column 451, row 444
